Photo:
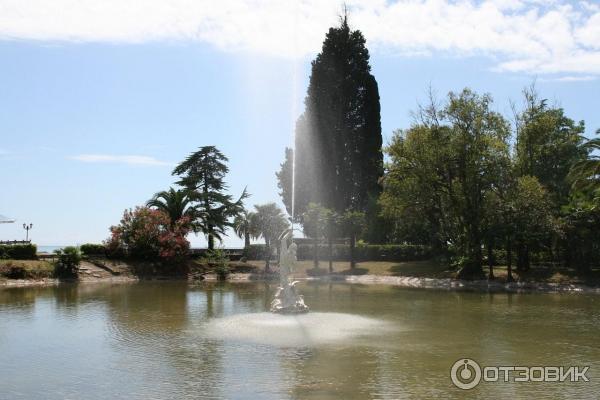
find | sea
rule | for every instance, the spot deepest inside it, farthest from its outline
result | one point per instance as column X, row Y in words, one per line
column 48, row 249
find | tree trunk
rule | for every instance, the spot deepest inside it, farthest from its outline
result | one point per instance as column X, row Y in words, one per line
column 490, row 256
column 472, row 269
column 522, row 258
column 267, row 256
column 509, row 277
column 246, row 240
column 278, row 252
column 352, row 247
column 210, row 236
column 211, row 241
column 330, row 249
column 316, row 253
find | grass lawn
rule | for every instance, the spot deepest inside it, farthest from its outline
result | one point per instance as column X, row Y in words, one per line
column 430, row 269
column 433, row 269
column 26, row 269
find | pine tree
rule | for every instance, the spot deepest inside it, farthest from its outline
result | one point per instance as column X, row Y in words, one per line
column 202, row 175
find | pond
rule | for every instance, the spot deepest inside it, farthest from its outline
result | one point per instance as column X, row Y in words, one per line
column 167, row 340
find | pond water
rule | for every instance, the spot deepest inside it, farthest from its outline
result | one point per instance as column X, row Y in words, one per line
column 174, row 341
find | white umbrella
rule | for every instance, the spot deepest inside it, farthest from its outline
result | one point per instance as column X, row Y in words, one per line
column 6, row 220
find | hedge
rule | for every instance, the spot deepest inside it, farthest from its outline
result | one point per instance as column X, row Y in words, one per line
column 256, row 252
column 18, row 251
column 92, row 249
column 365, row 252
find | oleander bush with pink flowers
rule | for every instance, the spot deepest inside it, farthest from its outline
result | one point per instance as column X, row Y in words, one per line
column 148, row 234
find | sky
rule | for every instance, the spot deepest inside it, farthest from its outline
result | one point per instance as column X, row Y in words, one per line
column 100, row 98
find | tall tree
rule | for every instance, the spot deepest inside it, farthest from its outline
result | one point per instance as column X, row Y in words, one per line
column 532, row 218
column 338, row 137
column 548, row 144
column 585, row 174
column 202, row 175
column 442, row 168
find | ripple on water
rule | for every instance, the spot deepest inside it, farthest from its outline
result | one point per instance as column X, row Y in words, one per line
column 312, row 329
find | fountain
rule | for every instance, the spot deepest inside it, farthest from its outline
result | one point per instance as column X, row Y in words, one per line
column 287, row 300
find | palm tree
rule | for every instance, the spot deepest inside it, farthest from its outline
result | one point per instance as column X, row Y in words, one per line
column 242, row 227
column 585, row 174
column 175, row 203
column 268, row 222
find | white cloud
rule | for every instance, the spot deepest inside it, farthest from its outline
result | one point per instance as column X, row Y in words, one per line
column 534, row 36
column 130, row 159
column 569, row 78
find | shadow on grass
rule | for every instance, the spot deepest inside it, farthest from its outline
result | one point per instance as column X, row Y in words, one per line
column 560, row 275
column 317, row 271
column 355, row 271
column 429, row 269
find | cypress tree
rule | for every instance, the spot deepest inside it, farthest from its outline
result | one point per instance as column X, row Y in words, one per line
column 338, row 137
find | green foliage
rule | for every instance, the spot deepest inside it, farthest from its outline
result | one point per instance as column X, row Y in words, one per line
column 218, row 259
column 452, row 183
column 338, row 137
column 585, row 174
column 441, row 170
column 175, row 203
column 93, row 249
column 580, row 228
column 148, row 234
column 532, row 217
column 312, row 221
column 365, row 252
column 13, row 271
column 268, row 222
column 202, row 175
column 548, row 144
column 285, row 181
column 256, row 252
column 243, row 228
column 18, row 251
column 331, row 222
column 352, row 223
column 67, row 265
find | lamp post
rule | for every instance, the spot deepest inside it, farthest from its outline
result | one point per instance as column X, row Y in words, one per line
column 27, row 228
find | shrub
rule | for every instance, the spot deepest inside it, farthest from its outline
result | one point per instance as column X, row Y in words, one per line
column 13, row 271
column 218, row 259
column 67, row 265
column 93, row 249
column 255, row 252
column 19, row 251
column 148, row 234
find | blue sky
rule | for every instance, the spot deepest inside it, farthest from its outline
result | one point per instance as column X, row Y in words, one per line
column 94, row 109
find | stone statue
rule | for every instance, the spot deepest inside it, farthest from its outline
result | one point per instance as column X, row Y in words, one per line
column 287, row 300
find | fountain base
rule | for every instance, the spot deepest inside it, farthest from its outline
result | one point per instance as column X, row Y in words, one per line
column 288, row 301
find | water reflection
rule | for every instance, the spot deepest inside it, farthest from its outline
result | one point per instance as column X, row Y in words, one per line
column 149, row 340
